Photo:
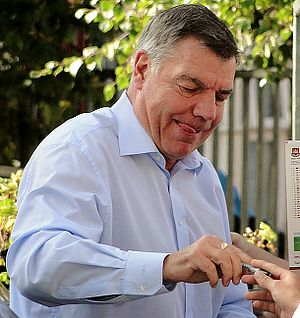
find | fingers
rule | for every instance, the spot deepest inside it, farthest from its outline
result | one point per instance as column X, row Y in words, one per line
column 265, row 306
column 259, row 278
column 245, row 258
column 270, row 267
column 213, row 259
column 229, row 258
column 264, row 281
column 249, row 279
column 213, row 274
column 227, row 271
column 261, row 298
column 222, row 259
column 261, row 294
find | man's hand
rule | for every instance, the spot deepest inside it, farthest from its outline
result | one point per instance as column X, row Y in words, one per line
column 207, row 259
column 281, row 293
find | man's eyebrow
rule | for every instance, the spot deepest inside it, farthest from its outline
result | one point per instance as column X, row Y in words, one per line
column 196, row 81
column 225, row 91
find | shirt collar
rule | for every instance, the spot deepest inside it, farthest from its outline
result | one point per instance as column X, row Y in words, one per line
column 133, row 139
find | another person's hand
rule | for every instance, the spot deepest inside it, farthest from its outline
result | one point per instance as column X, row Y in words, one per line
column 281, row 293
column 209, row 258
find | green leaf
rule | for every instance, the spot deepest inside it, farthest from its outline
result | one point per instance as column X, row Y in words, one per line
column 107, row 9
column 256, row 51
column 90, row 50
column 98, row 60
column 121, row 59
column 90, row 16
column 107, row 5
column 125, row 26
column 7, row 207
column 58, row 70
column 122, row 77
column 75, row 66
column 51, row 65
column 80, row 13
column 267, row 50
column 122, row 82
column 285, row 34
column 109, row 91
column 67, row 61
column 4, row 277
column 108, row 49
column 106, row 25
column 27, row 82
column 260, row 38
column 91, row 66
column 94, row 2
column 265, row 62
column 119, row 14
column 35, row 74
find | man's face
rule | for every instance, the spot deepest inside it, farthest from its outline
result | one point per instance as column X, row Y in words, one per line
column 182, row 103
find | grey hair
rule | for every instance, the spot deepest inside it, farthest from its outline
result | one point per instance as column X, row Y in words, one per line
column 183, row 21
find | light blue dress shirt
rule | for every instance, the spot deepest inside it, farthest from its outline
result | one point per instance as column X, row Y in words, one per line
column 98, row 213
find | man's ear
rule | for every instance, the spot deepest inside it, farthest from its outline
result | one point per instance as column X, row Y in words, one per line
column 141, row 66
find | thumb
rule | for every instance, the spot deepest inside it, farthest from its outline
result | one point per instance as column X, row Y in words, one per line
column 263, row 280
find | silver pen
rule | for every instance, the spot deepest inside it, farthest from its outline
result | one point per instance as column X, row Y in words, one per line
column 252, row 270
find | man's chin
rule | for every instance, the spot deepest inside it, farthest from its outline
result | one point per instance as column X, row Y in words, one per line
column 180, row 154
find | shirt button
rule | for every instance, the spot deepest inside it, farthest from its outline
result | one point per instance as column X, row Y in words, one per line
column 181, row 222
column 158, row 158
column 143, row 287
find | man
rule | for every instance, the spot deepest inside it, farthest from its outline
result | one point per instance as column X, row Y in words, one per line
column 280, row 294
column 119, row 215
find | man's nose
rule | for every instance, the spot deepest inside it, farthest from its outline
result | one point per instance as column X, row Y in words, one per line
column 205, row 107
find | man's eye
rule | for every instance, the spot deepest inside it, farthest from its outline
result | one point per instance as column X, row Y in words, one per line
column 186, row 90
column 220, row 98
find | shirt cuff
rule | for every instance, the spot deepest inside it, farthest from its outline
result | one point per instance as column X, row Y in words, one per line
column 297, row 312
column 144, row 272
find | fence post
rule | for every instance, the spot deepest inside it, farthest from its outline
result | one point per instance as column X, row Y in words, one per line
column 296, row 73
column 244, row 198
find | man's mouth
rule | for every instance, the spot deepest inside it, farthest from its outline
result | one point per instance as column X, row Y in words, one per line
column 187, row 128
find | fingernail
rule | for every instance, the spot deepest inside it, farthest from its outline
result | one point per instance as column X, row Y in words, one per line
column 258, row 274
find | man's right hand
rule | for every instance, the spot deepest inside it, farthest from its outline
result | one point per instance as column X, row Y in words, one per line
column 205, row 260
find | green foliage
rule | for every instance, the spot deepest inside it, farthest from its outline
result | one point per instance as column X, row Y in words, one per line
column 263, row 29
column 32, row 33
column 8, row 207
column 8, row 212
column 264, row 237
column 60, row 58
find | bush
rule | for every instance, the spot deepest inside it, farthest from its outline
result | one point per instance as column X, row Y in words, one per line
column 8, row 212
column 263, row 237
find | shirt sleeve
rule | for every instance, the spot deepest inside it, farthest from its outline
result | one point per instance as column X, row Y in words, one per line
column 56, row 257
column 297, row 312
